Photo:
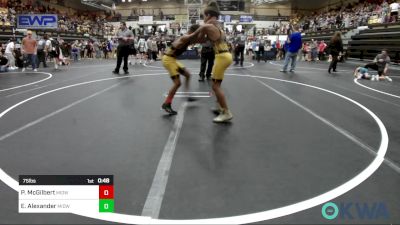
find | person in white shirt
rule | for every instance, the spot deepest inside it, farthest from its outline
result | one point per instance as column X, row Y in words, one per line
column 142, row 47
column 9, row 52
column 394, row 11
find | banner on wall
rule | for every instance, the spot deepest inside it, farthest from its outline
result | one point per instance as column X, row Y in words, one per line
column 37, row 21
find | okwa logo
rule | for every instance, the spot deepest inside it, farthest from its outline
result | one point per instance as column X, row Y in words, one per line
column 355, row 210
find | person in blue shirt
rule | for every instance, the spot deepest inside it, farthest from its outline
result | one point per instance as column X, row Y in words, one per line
column 294, row 41
column 361, row 73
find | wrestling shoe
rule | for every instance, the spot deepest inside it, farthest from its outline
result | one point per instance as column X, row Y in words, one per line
column 168, row 109
column 225, row 116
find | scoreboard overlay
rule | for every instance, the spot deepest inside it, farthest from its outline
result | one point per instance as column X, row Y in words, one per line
column 66, row 193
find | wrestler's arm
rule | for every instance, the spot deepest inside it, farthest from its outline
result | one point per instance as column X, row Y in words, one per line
column 180, row 42
column 199, row 35
column 386, row 69
column 184, row 39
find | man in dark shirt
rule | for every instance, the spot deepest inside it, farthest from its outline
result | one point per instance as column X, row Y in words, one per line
column 207, row 55
column 295, row 44
column 240, row 43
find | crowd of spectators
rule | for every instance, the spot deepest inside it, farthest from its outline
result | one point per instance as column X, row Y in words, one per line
column 260, row 48
column 352, row 15
column 363, row 13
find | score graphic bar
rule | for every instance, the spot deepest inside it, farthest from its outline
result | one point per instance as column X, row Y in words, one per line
column 66, row 193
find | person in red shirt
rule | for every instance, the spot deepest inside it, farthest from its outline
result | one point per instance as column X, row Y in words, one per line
column 321, row 50
column 29, row 50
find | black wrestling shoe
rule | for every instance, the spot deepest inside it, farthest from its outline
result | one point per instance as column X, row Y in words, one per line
column 168, row 109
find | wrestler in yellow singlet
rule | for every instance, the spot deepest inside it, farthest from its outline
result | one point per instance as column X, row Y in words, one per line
column 174, row 68
column 171, row 64
column 223, row 59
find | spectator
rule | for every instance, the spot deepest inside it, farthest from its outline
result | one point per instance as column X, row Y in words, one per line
column 42, row 50
column 314, row 49
column 97, row 49
column 114, row 47
column 394, row 11
column 268, row 52
column 55, row 52
column 249, row 49
column 9, row 53
column 75, row 50
column 335, row 50
column 108, row 49
column 82, row 46
column 142, row 48
column 154, row 49
column 255, row 48
column 89, row 49
column 294, row 41
column 149, row 49
column 321, row 50
column 29, row 50
column 305, row 50
column 4, row 63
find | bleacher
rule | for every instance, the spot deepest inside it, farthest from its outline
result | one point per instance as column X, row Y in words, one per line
column 68, row 36
column 7, row 34
column 325, row 35
column 368, row 43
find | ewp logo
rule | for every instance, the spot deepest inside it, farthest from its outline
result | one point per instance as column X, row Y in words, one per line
column 38, row 21
column 363, row 211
